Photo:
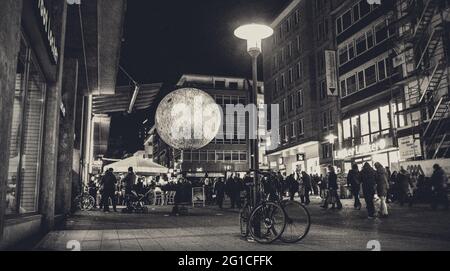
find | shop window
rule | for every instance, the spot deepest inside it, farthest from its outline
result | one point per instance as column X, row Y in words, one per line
column 26, row 136
column 385, row 117
column 365, row 124
column 374, row 121
column 346, row 129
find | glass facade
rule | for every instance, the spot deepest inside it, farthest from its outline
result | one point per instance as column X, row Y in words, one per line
column 371, row 126
column 26, row 135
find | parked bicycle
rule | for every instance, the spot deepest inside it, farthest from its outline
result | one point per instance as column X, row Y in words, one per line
column 269, row 221
column 84, row 201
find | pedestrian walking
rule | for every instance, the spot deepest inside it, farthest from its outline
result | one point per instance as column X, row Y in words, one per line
column 439, row 184
column 307, row 187
column 333, row 197
column 219, row 191
column 109, row 186
column 354, row 182
column 369, row 186
column 404, row 185
column 293, row 186
column 382, row 188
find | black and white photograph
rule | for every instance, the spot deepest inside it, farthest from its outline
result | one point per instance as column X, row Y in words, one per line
column 214, row 129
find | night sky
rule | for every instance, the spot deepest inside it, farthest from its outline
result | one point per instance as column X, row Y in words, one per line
column 164, row 39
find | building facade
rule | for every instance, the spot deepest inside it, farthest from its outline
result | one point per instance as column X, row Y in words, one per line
column 422, row 48
column 295, row 76
column 40, row 84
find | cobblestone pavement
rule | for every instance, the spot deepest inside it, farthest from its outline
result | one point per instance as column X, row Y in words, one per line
column 211, row 229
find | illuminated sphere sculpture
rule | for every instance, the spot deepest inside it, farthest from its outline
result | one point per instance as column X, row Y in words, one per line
column 188, row 119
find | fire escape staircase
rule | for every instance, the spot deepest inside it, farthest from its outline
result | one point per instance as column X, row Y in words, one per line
column 426, row 17
column 431, row 45
column 437, row 134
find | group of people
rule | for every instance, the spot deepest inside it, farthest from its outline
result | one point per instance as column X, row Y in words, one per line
column 379, row 185
column 108, row 188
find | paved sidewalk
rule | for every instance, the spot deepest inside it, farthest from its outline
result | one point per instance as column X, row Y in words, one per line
column 211, row 229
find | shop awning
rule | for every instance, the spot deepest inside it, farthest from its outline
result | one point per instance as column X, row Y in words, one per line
column 140, row 166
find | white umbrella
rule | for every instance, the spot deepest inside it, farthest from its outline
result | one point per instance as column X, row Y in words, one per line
column 139, row 165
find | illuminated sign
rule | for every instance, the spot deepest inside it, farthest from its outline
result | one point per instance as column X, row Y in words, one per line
column 46, row 23
column 300, row 157
column 362, row 149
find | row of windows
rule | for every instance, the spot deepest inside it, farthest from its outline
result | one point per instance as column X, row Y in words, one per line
column 365, row 41
column 223, row 100
column 293, row 101
column 285, row 54
column 215, row 156
column 294, row 74
column 287, row 26
column 328, row 120
column 373, row 125
column 353, row 15
column 367, row 77
column 292, row 131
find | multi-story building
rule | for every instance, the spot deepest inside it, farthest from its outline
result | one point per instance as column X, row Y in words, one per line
column 422, row 49
column 295, row 78
column 369, row 84
column 45, row 81
column 225, row 153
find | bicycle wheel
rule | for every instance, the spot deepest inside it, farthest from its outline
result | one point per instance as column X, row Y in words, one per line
column 86, row 203
column 244, row 216
column 298, row 221
column 267, row 222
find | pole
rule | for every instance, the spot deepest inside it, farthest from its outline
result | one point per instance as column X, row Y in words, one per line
column 254, row 142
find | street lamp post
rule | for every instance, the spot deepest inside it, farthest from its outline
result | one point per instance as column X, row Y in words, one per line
column 254, row 34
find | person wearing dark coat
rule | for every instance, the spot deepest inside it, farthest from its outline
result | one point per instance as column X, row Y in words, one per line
column 238, row 186
column 248, row 183
column 404, row 186
column 369, row 187
column 219, row 191
column 333, row 196
column 307, row 184
column 109, row 188
column 130, row 181
column 354, row 182
column 382, row 188
column 292, row 186
column 439, row 183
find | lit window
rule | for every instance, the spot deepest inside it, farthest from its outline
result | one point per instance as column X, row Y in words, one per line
column 374, row 121
column 385, row 117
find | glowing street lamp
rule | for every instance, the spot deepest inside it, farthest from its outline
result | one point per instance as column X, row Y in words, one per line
column 254, row 34
column 331, row 139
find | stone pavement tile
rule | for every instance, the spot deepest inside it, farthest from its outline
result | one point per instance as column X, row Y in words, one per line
column 140, row 234
column 110, row 245
column 93, row 235
column 155, row 233
column 110, row 235
column 91, row 245
column 150, row 245
column 130, row 245
column 125, row 234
